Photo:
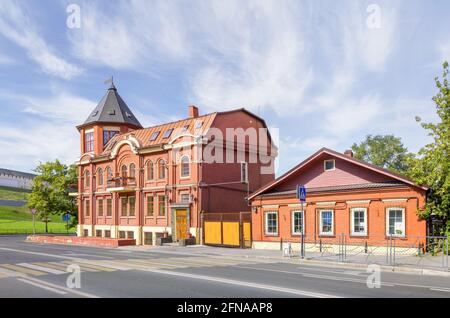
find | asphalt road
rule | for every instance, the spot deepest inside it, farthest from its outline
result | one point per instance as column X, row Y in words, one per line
column 37, row 270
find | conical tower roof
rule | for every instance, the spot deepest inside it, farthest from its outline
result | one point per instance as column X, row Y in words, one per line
column 112, row 109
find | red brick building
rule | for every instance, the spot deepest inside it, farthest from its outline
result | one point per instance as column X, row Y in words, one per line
column 345, row 197
column 144, row 183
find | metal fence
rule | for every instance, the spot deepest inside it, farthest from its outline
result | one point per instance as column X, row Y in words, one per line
column 6, row 232
column 419, row 251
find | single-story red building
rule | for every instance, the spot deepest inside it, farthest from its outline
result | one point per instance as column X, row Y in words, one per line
column 345, row 197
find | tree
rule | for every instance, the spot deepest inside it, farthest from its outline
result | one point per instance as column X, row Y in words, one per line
column 50, row 190
column 432, row 167
column 385, row 151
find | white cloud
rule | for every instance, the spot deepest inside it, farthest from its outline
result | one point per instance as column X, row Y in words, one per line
column 444, row 51
column 16, row 25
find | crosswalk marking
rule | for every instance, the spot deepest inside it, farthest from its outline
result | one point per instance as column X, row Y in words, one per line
column 153, row 263
column 91, row 267
column 58, row 266
column 23, row 270
column 209, row 262
column 42, row 268
column 83, row 268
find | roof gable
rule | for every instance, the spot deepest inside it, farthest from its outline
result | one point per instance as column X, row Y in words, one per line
column 349, row 172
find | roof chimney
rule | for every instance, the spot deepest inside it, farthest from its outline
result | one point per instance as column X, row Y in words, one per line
column 349, row 153
column 193, row 111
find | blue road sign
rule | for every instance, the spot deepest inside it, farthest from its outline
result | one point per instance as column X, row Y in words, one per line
column 301, row 193
column 66, row 217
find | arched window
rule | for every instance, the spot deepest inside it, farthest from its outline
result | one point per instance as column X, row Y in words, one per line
column 124, row 171
column 185, row 166
column 150, row 170
column 132, row 170
column 162, row 169
column 87, row 179
column 100, row 177
column 109, row 174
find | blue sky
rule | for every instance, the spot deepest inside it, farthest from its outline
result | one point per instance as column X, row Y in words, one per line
column 319, row 71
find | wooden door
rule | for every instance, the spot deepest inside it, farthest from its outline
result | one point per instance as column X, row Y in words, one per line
column 181, row 225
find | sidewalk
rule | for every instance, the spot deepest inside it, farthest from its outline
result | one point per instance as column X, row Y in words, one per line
column 427, row 265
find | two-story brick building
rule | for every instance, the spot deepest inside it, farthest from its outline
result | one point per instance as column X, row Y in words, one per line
column 144, row 183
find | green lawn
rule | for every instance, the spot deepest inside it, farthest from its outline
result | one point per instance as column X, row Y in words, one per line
column 17, row 220
column 13, row 194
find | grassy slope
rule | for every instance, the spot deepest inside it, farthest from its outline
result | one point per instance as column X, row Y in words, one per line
column 18, row 219
column 13, row 194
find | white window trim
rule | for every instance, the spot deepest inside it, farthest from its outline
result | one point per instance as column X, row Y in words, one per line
column 321, row 223
column 403, row 218
column 266, row 223
column 325, row 165
column 293, row 224
column 352, row 222
column 181, row 167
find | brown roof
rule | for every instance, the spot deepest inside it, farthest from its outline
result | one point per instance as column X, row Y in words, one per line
column 361, row 163
column 144, row 135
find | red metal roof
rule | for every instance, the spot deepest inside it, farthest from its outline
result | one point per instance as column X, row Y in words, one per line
column 336, row 154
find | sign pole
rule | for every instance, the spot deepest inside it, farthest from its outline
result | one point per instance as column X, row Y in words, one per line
column 301, row 195
column 33, row 212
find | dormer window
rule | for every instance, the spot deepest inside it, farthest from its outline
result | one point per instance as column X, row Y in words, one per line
column 111, row 112
column 329, row 165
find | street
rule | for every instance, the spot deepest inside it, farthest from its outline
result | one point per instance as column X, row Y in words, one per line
column 36, row 270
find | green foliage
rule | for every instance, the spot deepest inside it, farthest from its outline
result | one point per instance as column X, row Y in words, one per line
column 7, row 193
column 384, row 151
column 50, row 190
column 432, row 167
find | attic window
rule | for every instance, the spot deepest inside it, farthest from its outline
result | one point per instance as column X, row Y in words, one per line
column 198, row 125
column 128, row 115
column 154, row 136
column 111, row 112
column 329, row 165
column 185, row 128
column 95, row 113
column 168, row 133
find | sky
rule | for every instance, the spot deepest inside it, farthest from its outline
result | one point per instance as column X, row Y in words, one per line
column 321, row 73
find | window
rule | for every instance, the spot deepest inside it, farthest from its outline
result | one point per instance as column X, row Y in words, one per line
column 358, row 221
column 297, row 222
column 185, row 167
column 109, row 174
column 150, row 207
column 244, row 172
column 87, row 208
column 124, row 171
column 87, row 179
column 86, row 233
column 161, row 205
column 271, row 223
column 98, row 233
column 132, row 206
column 122, row 234
column 132, row 171
column 89, row 141
column 185, row 198
column 326, row 222
column 130, row 234
column 395, row 222
column 107, row 135
column 168, row 133
column 150, row 171
column 198, row 125
column 108, row 207
column 100, row 177
column 329, row 165
column 185, row 128
column 100, row 207
column 162, row 169
column 124, row 206
column 154, row 136
column 108, row 233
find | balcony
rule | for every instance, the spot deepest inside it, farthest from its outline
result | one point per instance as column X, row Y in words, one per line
column 121, row 184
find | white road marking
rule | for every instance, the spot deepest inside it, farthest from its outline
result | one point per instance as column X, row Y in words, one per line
column 244, row 284
column 42, row 286
column 42, row 268
column 38, row 253
column 446, row 290
column 65, row 289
